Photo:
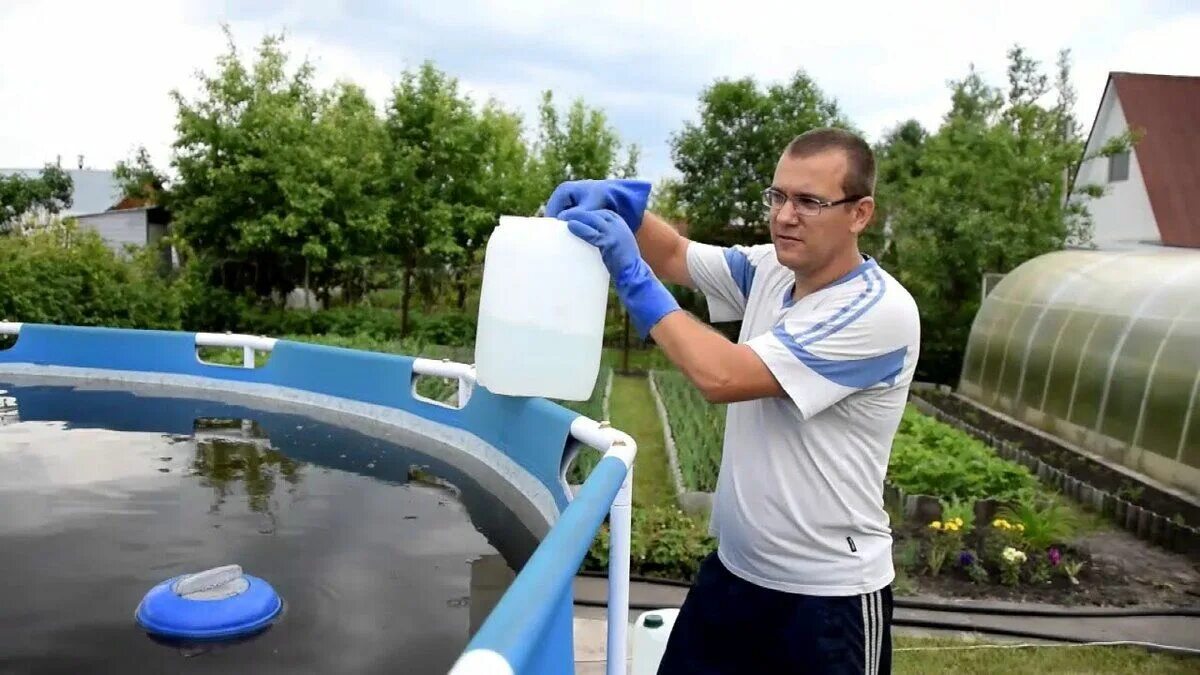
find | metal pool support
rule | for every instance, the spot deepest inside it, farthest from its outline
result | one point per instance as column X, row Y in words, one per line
column 530, row 630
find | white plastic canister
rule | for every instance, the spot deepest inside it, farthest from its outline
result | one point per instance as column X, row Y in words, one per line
column 541, row 311
column 650, row 634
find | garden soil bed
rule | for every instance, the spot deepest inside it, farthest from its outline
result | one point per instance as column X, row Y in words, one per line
column 1063, row 458
column 1123, row 571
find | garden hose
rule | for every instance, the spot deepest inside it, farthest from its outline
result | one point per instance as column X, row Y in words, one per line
column 967, row 608
column 957, row 627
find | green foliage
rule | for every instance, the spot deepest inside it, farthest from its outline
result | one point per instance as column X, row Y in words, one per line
column 897, row 160
column 585, row 146
column 984, row 193
column 961, row 511
column 23, row 197
column 728, row 157
column 666, row 202
column 66, row 275
column 278, row 182
column 666, row 543
column 697, row 426
column 932, row 458
column 433, row 169
column 1045, row 522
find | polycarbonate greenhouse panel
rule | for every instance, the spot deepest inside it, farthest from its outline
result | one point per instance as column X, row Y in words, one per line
column 1102, row 349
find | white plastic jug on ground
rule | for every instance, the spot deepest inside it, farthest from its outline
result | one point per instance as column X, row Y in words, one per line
column 541, row 311
column 650, row 633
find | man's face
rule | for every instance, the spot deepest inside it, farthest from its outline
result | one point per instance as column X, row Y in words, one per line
column 805, row 243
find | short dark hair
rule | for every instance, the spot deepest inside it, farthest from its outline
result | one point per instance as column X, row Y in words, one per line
column 860, row 159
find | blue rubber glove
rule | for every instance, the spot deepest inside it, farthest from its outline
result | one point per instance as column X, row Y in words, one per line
column 643, row 295
column 627, row 198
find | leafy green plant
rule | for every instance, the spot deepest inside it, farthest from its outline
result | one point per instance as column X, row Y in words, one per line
column 1071, row 569
column 67, row 275
column 908, row 555
column 697, row 426
column 932, row 458
column 1043, row 522
column 970, row 562
column 961, row 511
column 666, row 543
column 1011, row 560
column 945, row 539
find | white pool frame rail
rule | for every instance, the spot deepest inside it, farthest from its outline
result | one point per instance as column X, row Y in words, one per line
column 598, row 435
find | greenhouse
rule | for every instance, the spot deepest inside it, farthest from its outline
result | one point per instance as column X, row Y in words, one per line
column 1102, row 350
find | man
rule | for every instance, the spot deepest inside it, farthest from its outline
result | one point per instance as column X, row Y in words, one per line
column 817, row 383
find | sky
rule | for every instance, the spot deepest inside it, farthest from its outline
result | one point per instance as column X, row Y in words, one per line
column 93, row 78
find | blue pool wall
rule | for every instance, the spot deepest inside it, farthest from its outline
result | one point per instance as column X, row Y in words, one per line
column 533, row 432
column 531, row 627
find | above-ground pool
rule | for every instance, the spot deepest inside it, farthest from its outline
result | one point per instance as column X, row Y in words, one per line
column 402, row 534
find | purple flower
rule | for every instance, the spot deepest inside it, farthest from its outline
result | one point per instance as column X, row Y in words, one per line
column 966, row 559
column 1055, row 556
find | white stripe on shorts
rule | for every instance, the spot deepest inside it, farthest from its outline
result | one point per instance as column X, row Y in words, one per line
column 872, row 610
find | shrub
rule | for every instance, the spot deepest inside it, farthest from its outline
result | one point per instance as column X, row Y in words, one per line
column 67, row 275
column 666, row 543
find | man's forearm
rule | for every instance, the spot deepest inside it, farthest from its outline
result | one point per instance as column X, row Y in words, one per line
column 723, row 371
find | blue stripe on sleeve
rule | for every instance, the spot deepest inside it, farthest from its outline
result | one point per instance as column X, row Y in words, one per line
column 853, row 373
column 740, row 269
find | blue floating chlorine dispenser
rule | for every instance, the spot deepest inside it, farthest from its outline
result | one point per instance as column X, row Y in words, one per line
column 215, row 604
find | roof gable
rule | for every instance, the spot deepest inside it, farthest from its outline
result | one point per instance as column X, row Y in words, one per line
column 1165, row 109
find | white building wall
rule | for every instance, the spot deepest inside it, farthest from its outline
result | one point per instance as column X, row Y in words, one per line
column 118, row 228
column 1122, row 218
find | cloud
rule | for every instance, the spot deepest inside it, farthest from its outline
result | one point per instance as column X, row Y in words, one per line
column 94, row 77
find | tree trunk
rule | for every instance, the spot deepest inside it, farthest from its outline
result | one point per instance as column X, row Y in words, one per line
column 408, row 278
column 307, row 292
column 461, row 283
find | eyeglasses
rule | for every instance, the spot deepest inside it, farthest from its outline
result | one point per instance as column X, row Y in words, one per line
column 804, row 204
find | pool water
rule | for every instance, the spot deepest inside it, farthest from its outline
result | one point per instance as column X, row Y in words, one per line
column 378, row 558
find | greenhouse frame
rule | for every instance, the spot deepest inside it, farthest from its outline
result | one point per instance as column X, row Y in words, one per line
column 1102, row 350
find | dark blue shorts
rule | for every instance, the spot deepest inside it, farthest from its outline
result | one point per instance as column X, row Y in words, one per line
column 729, row 625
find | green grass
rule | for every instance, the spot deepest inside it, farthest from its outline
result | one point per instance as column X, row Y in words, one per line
column 933, row 658
column 639, row 359
column 632, row 411
column 697, row 426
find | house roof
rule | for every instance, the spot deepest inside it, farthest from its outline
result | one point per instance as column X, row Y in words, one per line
column 94, row 191
column 1166, row 110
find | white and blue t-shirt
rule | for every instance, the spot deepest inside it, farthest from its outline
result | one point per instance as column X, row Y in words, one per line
column 799, row 499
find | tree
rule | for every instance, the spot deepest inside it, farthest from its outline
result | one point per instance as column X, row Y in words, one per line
column 33, row 197
column 987, row 192
column 277, row 184
column 254, row 195
column 433, row 159
column 728, row 157
column 140, row 180
column 897, row 159
column 354, row 144
column 585, row 147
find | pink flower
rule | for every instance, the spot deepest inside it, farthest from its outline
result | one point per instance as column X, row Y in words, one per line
column 1055, row 557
